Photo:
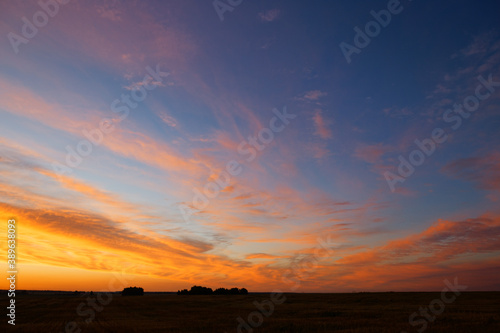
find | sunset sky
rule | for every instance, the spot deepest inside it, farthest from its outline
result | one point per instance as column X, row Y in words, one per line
column 309, row 207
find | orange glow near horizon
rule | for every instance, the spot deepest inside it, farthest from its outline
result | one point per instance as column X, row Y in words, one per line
column 56, row 259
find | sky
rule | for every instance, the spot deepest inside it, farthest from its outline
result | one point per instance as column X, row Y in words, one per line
column 305, row 146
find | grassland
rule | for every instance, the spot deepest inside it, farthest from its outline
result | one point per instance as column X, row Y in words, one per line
column 348, row 313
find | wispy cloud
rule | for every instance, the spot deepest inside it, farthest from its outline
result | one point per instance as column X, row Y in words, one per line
column 322, row 125
column 371, row 153
column 169, row 120
column 314, row 95
column 269, row 15
column 484, row 171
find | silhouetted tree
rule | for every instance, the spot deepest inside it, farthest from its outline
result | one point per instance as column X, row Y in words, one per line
column 221, row 291
column 199, row 290
column 183, row 292
column 133, row 291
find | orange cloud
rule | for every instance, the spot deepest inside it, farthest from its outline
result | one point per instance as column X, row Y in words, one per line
column 260, row 256
column 418, row 262
column 322, row 125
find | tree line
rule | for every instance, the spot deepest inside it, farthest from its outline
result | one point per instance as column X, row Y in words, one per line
column 199, row 290
column 133, row 291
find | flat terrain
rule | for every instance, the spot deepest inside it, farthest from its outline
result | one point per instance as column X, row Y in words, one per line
column 356, row 312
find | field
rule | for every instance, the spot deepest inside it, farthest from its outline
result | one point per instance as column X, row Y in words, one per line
column 356, row 312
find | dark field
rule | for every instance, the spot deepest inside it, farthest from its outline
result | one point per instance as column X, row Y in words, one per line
column 357, row 312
